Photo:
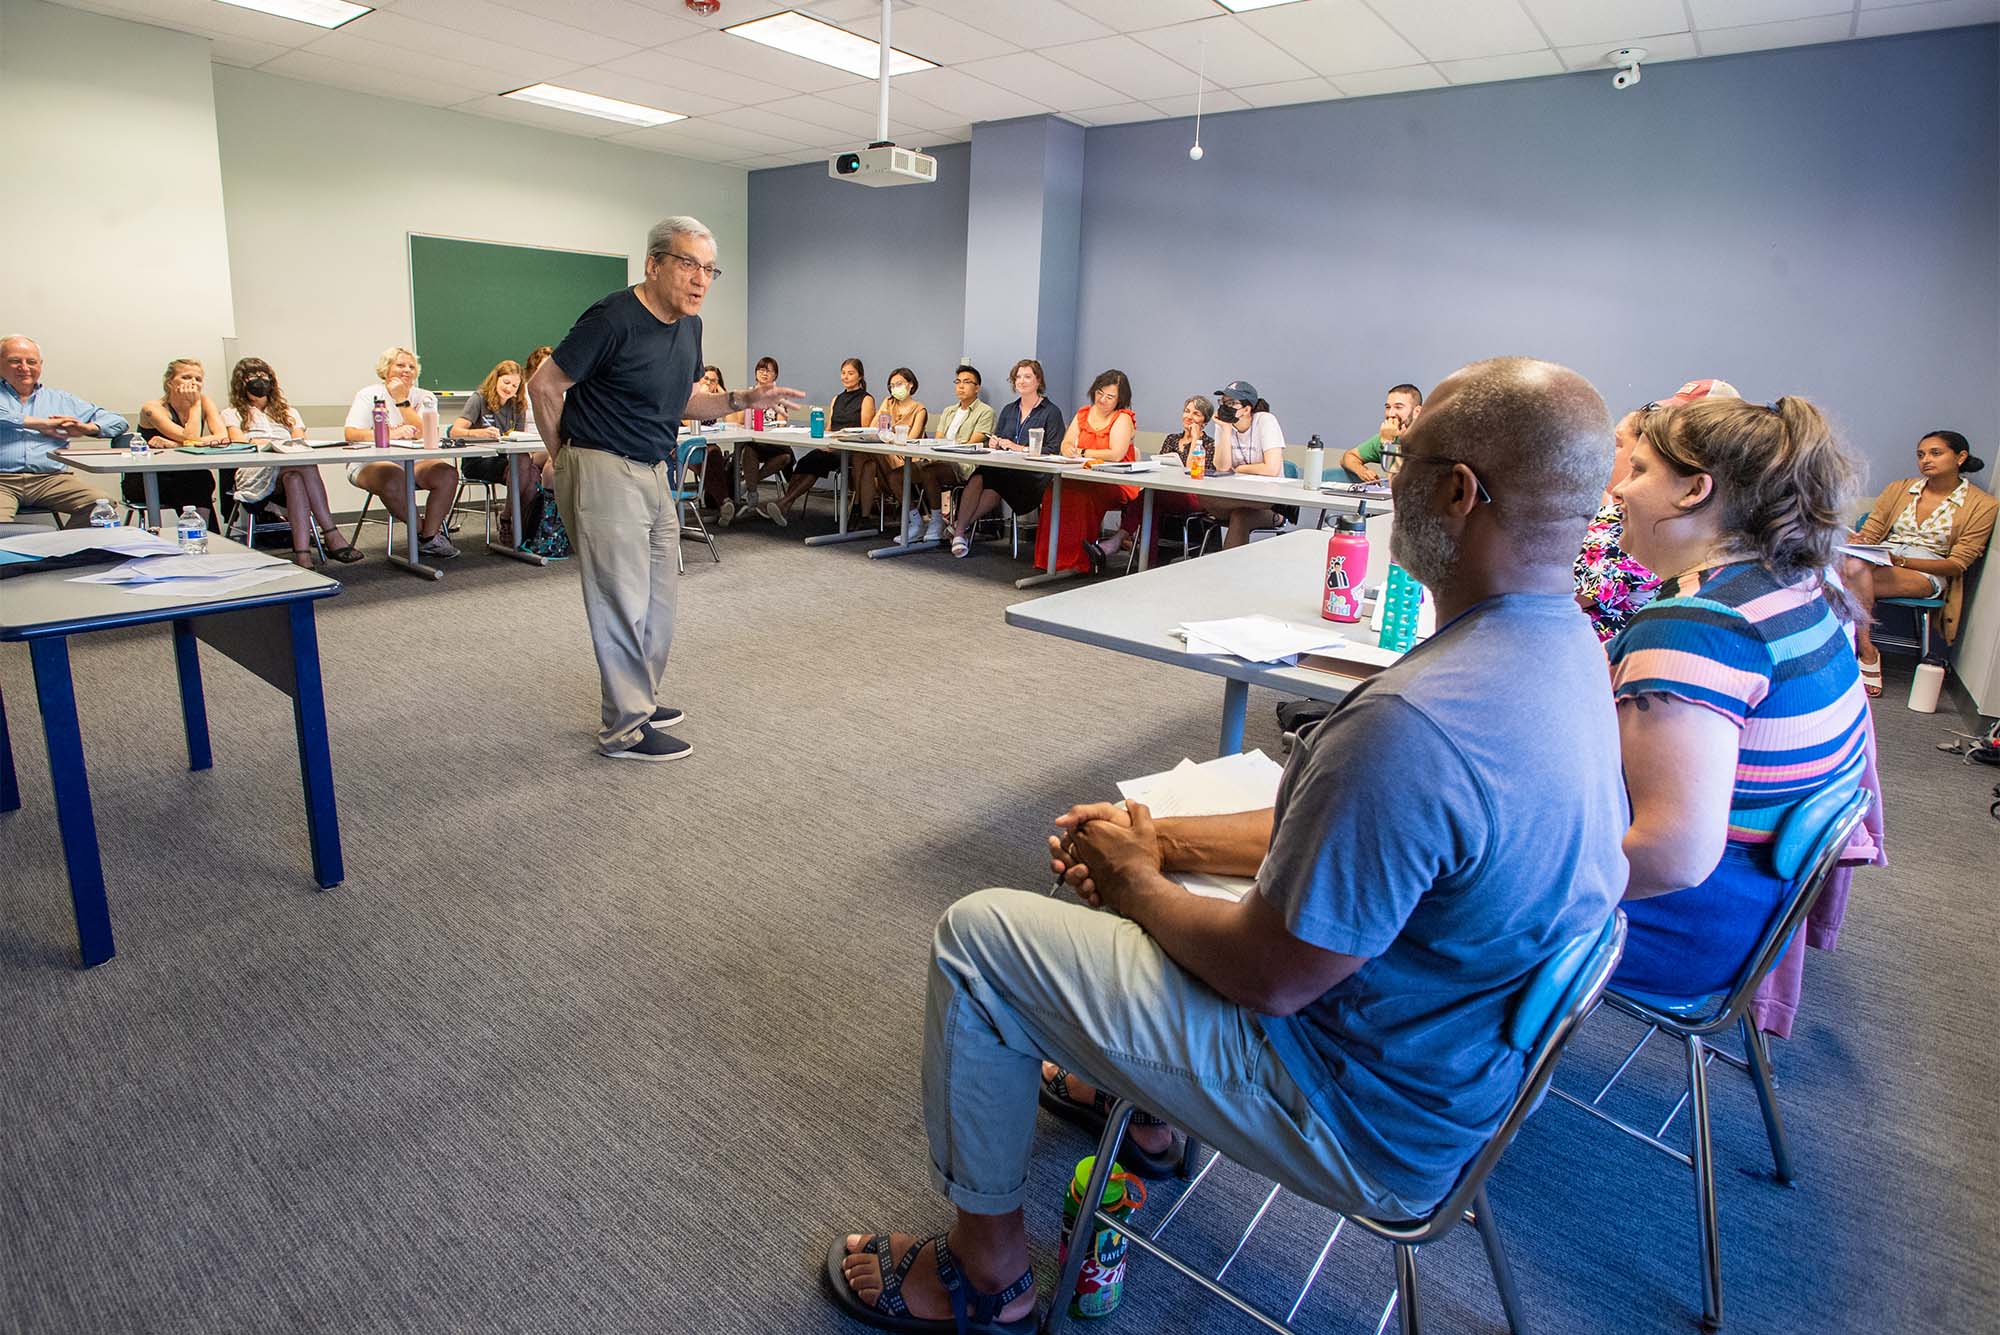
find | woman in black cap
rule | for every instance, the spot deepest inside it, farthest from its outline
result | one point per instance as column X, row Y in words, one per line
column 1248, row 440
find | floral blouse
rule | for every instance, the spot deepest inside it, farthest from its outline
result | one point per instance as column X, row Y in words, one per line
column 1611, row 585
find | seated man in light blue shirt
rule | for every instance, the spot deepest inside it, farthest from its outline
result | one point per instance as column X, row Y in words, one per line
column 36, row 420
column 1341, row 1028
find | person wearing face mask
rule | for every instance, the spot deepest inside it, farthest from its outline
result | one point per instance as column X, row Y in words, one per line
column 184, row 414
column 499, row 407
column 1401, row 407
column 1610, row 586
column 397, row 370
column 1248, row 440
column 258, row 412
column 758, row 461
column 901, row 412
column 850, row 409
column 1020, row 489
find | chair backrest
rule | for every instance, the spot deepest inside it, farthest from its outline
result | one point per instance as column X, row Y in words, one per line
column 689, row 451
column 1548, row 1010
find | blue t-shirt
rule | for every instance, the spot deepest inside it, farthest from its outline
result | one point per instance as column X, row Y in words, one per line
column 633, row 373
column 1009, row 426
column 1455, row 820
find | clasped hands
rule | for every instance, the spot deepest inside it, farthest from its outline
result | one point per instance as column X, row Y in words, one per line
column 1108, row 854
column 61, row 426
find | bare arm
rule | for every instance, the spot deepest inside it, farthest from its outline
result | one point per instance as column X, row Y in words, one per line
column 546, row 388
column 1680, row 772
column 1223, row 845
column 1352, row 462
column 1068, row 445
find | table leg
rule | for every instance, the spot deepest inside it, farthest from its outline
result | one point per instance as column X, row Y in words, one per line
column 151, row 482
column 71, row 785
column 1050, row 575
column 194, row 709
column 10, row 790
column 1235, row 707
column 1146, row 530
column 315, row 758
column 408, row 557
column 900, row 547
column 840, row 494
column 517, row 551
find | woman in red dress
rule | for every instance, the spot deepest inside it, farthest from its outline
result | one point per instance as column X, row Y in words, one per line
column 1101, row 431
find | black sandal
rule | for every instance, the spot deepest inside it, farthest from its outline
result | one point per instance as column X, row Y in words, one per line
column 973, row 1312
column 347, row 555
column 1091, row 1116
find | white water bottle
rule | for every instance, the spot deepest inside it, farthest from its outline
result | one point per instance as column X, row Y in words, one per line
column 1925, row 688
column 104, row 515
column 193, row 531
column 1315, row 463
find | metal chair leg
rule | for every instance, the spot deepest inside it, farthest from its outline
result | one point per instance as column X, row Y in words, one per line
column 1767, row 1099
column 1496, row 1257
column 1406, row 1290
column 1086, row 1226
column 1703, row 1154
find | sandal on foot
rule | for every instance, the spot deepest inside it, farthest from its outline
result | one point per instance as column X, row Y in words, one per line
column 1090, row 1116
column 1871, row 677
column 973, row 1312
column 347, row 555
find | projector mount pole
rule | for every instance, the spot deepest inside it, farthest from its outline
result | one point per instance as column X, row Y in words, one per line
column 882, row 108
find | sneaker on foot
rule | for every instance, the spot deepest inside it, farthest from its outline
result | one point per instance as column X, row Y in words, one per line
column 438, row 545
column 727, row 514
column 934, row 531
column 771, row 511
column 666, row 716
column 913, row 525
column 652, row 745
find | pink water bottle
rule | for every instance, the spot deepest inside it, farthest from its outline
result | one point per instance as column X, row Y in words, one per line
column 1346, row 568
column 756, row 419
column 380, row 417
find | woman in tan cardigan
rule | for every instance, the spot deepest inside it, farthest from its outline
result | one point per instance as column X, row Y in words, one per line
column 1934, row 525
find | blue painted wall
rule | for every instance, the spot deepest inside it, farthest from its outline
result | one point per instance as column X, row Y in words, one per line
column 1824, row 220
column 840, row 270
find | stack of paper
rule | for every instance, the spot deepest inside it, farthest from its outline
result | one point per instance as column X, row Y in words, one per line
column 1257, row 639
column 179, row 576
column 70, row 541
column 1219, row 787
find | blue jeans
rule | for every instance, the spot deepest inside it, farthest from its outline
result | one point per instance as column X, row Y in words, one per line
column 1017, row 978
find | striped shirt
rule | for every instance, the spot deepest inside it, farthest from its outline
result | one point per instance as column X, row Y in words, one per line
column 1771, row 659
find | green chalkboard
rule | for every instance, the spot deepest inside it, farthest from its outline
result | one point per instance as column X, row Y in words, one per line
column 474, row 303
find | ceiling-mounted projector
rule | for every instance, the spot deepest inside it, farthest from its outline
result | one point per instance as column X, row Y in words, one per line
column 883, row 164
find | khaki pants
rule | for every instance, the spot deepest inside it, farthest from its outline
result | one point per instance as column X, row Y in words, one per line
column 64, row 493
column 624, row 526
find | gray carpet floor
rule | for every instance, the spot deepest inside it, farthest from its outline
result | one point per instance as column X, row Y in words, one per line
column 586, row 1047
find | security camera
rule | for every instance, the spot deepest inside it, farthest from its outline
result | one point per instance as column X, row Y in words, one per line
column 1628, row 58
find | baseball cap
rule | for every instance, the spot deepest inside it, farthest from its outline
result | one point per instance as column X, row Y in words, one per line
column 1695, row 390
column 1240, row 390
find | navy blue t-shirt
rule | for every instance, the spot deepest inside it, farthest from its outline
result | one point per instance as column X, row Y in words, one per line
column 633, row 373
column 1455, row 827
column 1046, row 415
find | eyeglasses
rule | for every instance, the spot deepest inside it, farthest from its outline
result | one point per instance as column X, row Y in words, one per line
column 690, row 263
column 1396, row 458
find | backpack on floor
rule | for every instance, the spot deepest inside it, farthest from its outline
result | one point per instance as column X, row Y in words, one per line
column 551, row 539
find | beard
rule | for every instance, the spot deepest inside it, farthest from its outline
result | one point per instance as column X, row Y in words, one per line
column 1419, row 541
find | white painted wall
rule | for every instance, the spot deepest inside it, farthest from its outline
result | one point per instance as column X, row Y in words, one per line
column 116, row 257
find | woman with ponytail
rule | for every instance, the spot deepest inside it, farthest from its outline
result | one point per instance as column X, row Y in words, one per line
column 1934, row 526
column 1738, row 693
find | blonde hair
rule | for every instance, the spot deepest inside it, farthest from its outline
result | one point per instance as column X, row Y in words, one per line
column 1783, row 483
column 388, row 359
column 167, row 376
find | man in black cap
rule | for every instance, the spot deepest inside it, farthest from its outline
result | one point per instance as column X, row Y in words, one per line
column 1248, row 440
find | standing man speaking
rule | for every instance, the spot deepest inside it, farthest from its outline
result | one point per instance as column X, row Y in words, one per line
column 609, row 403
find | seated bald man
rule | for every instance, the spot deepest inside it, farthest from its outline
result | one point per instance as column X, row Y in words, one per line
column 1343, row 1023
column 36, row 420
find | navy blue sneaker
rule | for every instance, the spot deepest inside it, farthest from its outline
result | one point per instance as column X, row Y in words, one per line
column 652, row 745
column 666, row 716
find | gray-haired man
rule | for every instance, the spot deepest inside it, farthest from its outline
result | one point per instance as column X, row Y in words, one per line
column 609, row 403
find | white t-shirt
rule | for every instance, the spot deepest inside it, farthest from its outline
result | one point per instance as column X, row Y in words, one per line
column 1249, row 447
column 362, row 415
column 260, row 427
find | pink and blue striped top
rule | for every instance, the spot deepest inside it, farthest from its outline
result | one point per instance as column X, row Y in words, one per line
column 1771, row 658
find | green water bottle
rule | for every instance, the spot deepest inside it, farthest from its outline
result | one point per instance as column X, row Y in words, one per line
column 1402, row 596
column 1100, row 1285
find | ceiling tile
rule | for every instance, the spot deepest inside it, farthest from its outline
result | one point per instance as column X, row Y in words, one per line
column 318, row 68
column 1917, row 18
column 481, row 20
column 966, row 98
column 1043, row 22
column 1289, row 93
column 1231, row 52
column 520, row 65
column 1122, row 113
column 731, row 14
column 936, row 37
column 1764, row 36
column 206, row 18
column 1040, row 78
column 1334, row 36
column 671, row 71
column 1658, row 48
column 1369, row 83
column 664, row 95
column 243, row 51
column 841, row 11
column 663, row 139
column 1743, row 13
column 1456, row 30
column 903, row 106
column 761, row 120
column 1139, row 15
column 417, row 66
column 547, row 118
column 851, row 126
column 1609, row 22
column 1213, row 101
column 1493, row 69
column 621, row 20
column 745, row 59
column 1123, row 66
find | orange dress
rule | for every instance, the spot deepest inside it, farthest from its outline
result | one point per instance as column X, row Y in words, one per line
column 1084, row 504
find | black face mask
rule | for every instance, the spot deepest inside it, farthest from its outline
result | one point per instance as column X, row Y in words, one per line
column 1231, row 412
column 257, row 387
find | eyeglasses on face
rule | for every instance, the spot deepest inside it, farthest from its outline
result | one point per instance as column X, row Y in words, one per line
column 690, row 263
column 1397, row 458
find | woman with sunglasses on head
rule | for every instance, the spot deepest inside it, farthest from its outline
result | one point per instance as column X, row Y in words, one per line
column 1933, row 527
column 259, row 413
column 1738, row 693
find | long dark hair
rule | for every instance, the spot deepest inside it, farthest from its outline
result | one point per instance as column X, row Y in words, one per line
column 860, row 373
column 275, row 406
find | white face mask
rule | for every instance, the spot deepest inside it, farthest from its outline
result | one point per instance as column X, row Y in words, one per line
column 899, row 392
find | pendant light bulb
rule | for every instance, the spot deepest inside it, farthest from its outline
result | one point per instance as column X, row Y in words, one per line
column 1200, row 76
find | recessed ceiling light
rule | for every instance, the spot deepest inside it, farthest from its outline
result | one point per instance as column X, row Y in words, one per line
column 1244, row 6
column 590, row 104
column 802, row 35
column 319, row 13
